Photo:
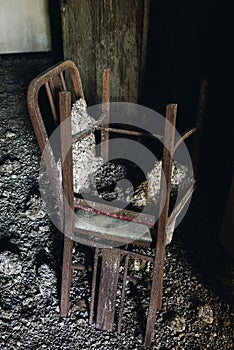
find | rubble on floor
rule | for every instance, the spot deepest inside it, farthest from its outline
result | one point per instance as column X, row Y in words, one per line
column 196, row 312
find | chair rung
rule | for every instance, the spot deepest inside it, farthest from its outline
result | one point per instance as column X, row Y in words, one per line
column 81, row 267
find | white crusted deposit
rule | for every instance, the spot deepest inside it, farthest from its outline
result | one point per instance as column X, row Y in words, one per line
column 84, row 155
column 90, row 172
column 149, row 190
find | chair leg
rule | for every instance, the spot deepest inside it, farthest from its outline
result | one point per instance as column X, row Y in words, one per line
column 93, row 288
column 66, row 276
column 157, row 281
column 159, row 302
column 155, row 302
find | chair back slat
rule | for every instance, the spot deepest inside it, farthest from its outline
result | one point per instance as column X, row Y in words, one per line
column 56, row 86
column 43, row 107
column 53, row 82
column 63, row 81
column 51, row 101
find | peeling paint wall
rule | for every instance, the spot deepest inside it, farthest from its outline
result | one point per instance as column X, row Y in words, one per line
column 24, row 26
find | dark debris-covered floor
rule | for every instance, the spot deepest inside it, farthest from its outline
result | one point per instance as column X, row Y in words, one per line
column 197, row 299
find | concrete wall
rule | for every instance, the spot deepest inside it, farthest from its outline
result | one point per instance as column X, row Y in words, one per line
column 24, row 26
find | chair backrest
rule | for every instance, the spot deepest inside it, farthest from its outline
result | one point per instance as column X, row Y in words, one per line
column 62, row 77
column 44, row 110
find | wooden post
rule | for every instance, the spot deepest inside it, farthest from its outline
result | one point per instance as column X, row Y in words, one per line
column 107, row 33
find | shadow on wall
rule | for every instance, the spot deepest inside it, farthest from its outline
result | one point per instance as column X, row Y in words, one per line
column 184, row 45
column 56, row 31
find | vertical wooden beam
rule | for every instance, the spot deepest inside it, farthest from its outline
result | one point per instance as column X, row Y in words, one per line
column 107, row 33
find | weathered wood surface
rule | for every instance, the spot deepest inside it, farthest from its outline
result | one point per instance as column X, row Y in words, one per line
column 107, row 34
column 108, row 289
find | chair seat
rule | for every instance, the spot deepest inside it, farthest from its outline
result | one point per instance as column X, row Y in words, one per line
column 112, row 227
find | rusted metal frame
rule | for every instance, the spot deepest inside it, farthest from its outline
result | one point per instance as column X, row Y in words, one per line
column 184, row 137
column 66, row 276
column 75, row 76
column 68, row 198
column 95, row 239
column 180, row 205
column 51, row 101
column 35, row 114
column 82, row 134
column 38, row 123
column 141, row 243
column 128, row 255
column 110, row 258
column 106, row 109
column 130, row 132
column 115, row 212
column 46, row 150
column 93, row 289
column 108, row 289
column 133, row 255
column 121, row 308
column 63, row 81
column 67, row 65
column 43, row 142
column 199, row 122
column 167, row 162
column 33, row 92
column 55, row 86
column 99, row 127
column 70, row 66
column 156, row 289
column 79, row 267
column 79, row 136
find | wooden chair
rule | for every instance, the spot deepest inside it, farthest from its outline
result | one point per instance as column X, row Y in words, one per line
column 54, row 84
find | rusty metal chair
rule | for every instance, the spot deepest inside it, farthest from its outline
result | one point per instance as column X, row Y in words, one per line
column 53, row 84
